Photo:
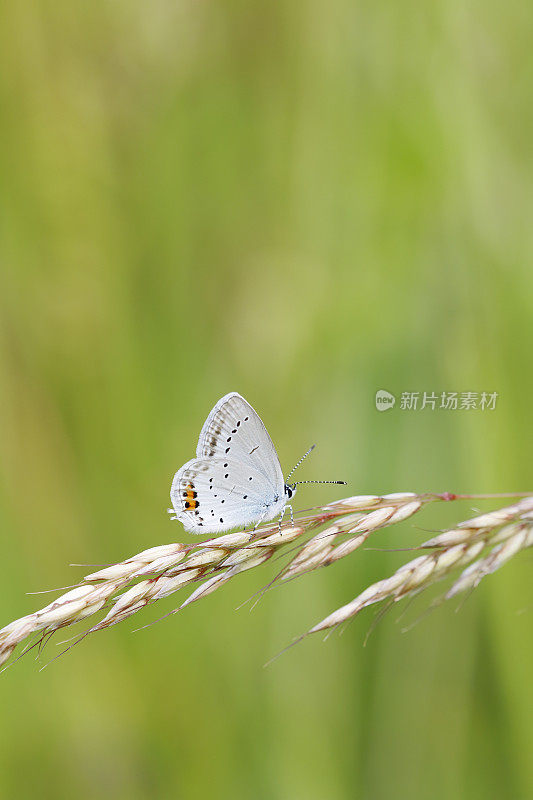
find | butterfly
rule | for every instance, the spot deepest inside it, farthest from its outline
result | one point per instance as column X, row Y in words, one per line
column 236, row 478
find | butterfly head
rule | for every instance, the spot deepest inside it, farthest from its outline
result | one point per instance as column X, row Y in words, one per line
column 290, row 490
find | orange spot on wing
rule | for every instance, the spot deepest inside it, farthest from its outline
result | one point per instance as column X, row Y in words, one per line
column 190, row 502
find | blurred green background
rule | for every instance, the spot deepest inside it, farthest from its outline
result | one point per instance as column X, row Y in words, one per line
column 303, row 202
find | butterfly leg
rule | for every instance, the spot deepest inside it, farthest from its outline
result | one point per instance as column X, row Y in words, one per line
column 259, row 521
column 283, row 514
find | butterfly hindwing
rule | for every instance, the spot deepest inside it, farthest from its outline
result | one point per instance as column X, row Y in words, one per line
column 211, row 495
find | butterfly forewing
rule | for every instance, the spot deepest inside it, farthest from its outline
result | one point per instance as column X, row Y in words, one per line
column 234, row 430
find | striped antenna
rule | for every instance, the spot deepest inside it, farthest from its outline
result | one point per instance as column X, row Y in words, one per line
column 300, row 461
column 298, row 482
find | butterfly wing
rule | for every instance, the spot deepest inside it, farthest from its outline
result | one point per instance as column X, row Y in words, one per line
column 233, row 430
column 211, row 495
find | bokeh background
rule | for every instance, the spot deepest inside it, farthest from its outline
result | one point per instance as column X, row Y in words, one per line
column 303, row 202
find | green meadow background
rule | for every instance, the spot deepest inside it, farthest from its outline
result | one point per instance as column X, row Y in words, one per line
column 304, row 202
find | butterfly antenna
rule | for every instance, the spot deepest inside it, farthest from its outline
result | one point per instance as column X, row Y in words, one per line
column 297, row 483
column 300, row 461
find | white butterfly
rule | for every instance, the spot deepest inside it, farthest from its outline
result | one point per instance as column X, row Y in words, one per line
column 236, row 478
